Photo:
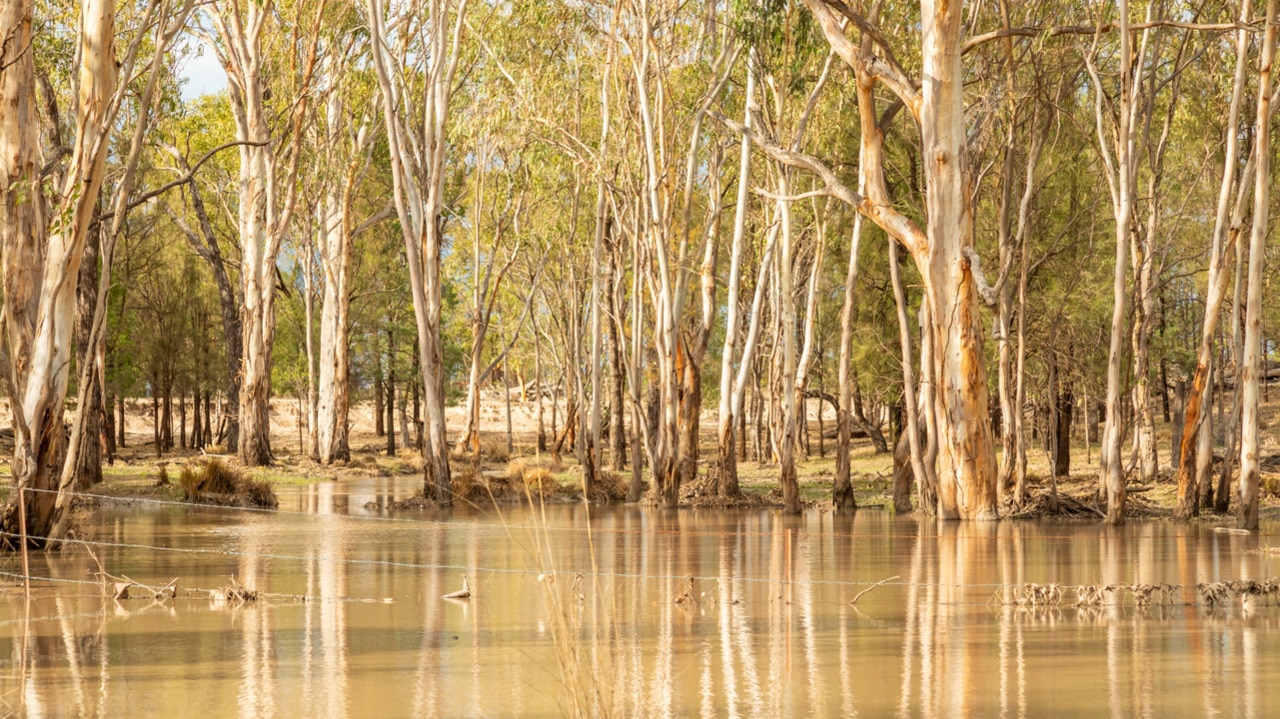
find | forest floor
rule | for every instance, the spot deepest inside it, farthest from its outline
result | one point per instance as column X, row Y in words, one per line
column 137, row 468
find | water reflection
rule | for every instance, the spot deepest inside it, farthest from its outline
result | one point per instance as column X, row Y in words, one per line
column 765, row 629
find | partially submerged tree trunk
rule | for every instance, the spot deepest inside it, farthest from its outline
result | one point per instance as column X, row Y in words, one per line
column 333, row 402
column 1121, row 177
column 726, row 455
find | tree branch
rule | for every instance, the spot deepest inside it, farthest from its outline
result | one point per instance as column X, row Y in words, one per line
column 191, row 173
column 978, row 40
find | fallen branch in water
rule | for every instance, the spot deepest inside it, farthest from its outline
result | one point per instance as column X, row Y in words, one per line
column 873, row 586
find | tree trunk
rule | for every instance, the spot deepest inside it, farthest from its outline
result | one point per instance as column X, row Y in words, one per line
column 1143, row 410
column 391, row 393
column 1196, row 444
column 902, row 473
column 379, row 391
column 1247, row 517
column 1065, row 404
column 43, row 246
column 786, row 328
column 943, row 252
column 539, row 390
column 1111, row 478
column 617, row 411
column 166, row 417
column 89, row 465
column 156, row 439
column 1222, row 502
column 842, row 487
column 309, row 446
column 912, row 433
column 335, row 244
column 197, row 429
column 417, row 171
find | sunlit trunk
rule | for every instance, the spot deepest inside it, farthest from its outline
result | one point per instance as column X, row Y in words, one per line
column 41, row 255
column 335, row 245
column 267, row 194
column 1121, row 176
column 966, row 458
column 727, row 463
column 1247, row 517
column 1197, row 430
column 787, row 324
column 418, row 192
column 943, row 250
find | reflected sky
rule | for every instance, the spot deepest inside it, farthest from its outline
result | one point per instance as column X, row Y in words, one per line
column 562, row 618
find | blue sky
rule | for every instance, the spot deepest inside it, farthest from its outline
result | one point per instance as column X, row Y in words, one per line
column 202, row 75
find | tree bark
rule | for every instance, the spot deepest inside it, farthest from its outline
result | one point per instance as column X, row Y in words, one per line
column 1247, row 515
column 418, row 191
column 42, row 253
column 89, row 466
column 617, row 407
column 391, row 393
column 726, row 456
column 1121, row 176
column 1197, row 430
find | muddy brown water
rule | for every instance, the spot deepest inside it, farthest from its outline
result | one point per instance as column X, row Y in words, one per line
column 767, row 628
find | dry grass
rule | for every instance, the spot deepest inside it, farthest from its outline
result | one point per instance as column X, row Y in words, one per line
column 534, row 481
column 495, row 450
column 220, row 483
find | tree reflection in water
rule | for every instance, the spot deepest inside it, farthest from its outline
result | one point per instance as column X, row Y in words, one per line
column 768, row 629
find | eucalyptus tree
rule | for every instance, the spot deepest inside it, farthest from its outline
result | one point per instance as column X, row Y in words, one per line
column 657, row 38
column 416, row 83
column 1251, row 367
column 42, row 237
column 942, row 249
column 346, row 157
column 268, row 174
column 1196, row 449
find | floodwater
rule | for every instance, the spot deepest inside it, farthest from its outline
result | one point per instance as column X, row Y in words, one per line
column 767, row 630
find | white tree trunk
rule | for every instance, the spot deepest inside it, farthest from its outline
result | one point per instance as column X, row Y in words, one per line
column 42, row 253
column 1251, row 368
column 727, row 484
column 417, row 154
column 1196, row 448
column 967, row 462
column 264, row 211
